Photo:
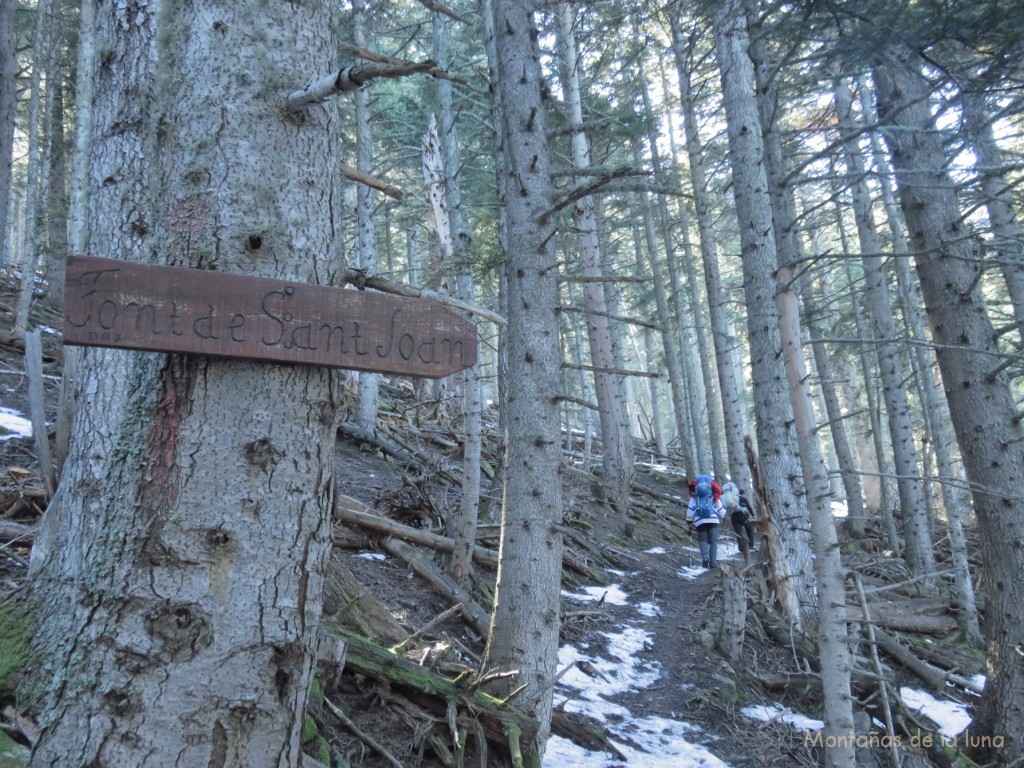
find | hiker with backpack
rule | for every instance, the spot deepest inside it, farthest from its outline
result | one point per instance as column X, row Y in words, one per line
column 741, row 514
column 705, row 512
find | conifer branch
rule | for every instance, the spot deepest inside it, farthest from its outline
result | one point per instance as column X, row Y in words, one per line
column 350, row 79
column 430, row 5
column 381, row 186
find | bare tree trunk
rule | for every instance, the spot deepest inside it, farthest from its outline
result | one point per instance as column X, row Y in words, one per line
column 733, row 406
column 29, row 255
column 837, row 424
column 78, row 198
column 981, row 404
column 617, row 471
column 919, row 553
column 780, row 467
column 830, row 608
column 463, row 528
column 525, row 623
column 1007, row 233
column 366, row 237
column 703, row 321
column 180, row 579
column 689, row 365
column 56, row 196
column 501, row 181
column 8, row 111
column 653, row 385
column 878, row 458
column 685, row 428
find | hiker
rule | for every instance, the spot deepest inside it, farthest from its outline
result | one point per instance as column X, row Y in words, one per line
column 741, row 514
column 705, row 512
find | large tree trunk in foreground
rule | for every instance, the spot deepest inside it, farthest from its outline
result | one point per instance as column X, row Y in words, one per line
column 180, row 579
column 980, row 401
column 525, row 624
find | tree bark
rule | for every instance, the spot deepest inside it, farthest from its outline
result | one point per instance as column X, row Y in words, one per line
column 724, row 341
column 8, row 111
column 837, row 424
column 829, row 608
column 685, row 428
column 935, row 408
column 366, row 237
column 180, row 582
column 29, row 255
column 919, row 554
column 780, row 469
column 617, row 467
column 463, row 526
column 525, row 624
column 984, row 416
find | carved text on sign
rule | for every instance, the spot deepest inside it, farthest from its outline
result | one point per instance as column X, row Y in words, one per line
column 171, row 309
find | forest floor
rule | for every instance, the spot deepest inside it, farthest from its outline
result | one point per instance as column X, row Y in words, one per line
column 637, row 658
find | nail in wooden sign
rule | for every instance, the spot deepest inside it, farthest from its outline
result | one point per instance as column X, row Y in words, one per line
column 110, row 303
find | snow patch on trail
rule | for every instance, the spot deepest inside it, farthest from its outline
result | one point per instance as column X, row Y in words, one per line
column 593, row 680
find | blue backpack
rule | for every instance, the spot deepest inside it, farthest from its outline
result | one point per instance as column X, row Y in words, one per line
column 704, row 498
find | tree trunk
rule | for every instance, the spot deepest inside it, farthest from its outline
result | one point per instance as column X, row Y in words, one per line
column 830, row 607
column 8, row 110
column 78, row 197
column 180, row 581
column 525, row 624
column 366, row 237
column 29, row 254
column 878, row 458
column 837, row 424
column 780, row 468
column 685, row 428
column 733, row 406
column 463, row 528
column 935, row 408
column 617, row 470
column 919, row 554
column 997, row 191
column 56, row 197
column 984, row 416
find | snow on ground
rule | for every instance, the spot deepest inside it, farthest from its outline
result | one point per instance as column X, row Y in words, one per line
column 776, row 713
column 593, row 680
column 951, row 717
column 691, row 567
column 15, row 424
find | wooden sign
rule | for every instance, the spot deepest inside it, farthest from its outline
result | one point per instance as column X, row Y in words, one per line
column 109, row 303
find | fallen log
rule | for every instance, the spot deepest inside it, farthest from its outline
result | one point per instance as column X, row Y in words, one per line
column 478, row 711
column 437, row 694
column 477, row 617
column 11, row 531
column 354, row 512
column 933, row 676
column 934, row 624
column 348, row 603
